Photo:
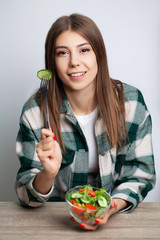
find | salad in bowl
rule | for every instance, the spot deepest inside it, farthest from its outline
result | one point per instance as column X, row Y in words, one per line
column 87, row 203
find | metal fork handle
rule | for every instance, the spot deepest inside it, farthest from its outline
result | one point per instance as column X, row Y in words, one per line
column 47, row 113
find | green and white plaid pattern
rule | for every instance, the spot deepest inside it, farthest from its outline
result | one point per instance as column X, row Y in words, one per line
column 128, row 173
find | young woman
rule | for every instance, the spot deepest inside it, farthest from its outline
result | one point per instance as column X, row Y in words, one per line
column 100, row 128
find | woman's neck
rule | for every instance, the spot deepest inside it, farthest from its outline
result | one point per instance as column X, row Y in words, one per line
column 82, row 102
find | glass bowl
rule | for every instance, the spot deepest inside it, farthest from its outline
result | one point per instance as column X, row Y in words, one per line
column 86, row 214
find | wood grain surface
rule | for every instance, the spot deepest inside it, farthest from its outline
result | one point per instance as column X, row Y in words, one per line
column 52, row 222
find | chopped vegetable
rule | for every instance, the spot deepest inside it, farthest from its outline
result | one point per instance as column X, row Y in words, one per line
column 79, row 208
column 89, row 197
column 102, row 201
column 76, row 195
column 88, row 203
column 44, row 74
column 90, row 208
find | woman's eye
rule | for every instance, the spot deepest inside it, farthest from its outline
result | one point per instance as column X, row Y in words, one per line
column 62, row 53
column 85, row 50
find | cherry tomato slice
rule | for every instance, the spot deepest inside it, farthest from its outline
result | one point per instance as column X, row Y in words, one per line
column 92, row 193
column 81, row 189
column 80, row 210
column 90, row 208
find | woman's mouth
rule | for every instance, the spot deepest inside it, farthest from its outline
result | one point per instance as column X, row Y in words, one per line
column 77, row 75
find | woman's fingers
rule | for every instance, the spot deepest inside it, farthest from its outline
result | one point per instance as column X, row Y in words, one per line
column 47, row 140
column 110, row 212
column 101, row 221
column 46, row 144
column 45, row 148
column 49, row 153
column 44, row 155
column 89, row 227
column 46, row 133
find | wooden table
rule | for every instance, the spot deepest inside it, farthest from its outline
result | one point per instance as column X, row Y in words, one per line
column 52, row 222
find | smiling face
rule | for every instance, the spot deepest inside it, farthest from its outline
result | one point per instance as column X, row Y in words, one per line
column 75, row 61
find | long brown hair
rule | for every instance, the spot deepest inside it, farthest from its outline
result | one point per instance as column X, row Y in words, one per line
column 109, row 92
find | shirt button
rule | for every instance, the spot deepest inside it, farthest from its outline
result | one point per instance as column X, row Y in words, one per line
column 102, row 153
column 82, row 150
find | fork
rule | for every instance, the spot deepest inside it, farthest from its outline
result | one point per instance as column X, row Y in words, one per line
column 44, row 89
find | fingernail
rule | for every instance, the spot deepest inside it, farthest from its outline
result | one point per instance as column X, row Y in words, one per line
column 72, row 219
column 81, row 225
column 54, row 138
column 113, row 205
column 97, row 221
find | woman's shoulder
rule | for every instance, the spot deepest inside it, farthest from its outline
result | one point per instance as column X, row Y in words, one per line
column 135, row 106
column 132, row 93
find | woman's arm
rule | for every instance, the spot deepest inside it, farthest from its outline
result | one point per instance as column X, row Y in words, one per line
column 137, row 172
column 31, row 173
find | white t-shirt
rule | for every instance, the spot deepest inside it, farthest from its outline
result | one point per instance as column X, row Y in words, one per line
column 87, row 123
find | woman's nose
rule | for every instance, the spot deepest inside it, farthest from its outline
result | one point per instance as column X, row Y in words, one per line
column 74, row 60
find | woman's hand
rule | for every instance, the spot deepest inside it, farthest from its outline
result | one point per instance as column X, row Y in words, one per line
column 117, row 204
column 49, row 153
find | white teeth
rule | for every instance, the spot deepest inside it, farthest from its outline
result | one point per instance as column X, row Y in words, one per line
column 77, row 74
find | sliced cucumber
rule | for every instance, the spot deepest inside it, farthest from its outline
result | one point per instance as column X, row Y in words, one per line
column 76, row 195
column 85, row 199
column 44, row 74
column 102, row 202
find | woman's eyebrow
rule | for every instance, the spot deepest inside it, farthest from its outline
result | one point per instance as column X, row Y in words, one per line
column 60, row 47
column 79, row 45
column 83, row 44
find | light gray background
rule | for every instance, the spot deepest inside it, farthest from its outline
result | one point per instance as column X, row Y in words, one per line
column 131, row 30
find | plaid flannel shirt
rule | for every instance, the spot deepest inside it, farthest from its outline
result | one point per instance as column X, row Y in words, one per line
column 128, row 173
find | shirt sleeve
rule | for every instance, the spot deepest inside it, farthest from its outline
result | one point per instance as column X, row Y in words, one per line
column 27, row 139
column 136, row 164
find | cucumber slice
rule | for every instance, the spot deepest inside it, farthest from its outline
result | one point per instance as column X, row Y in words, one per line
column 76, row 195
column 102, row 202
column 84, row 199
column 44, row 74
